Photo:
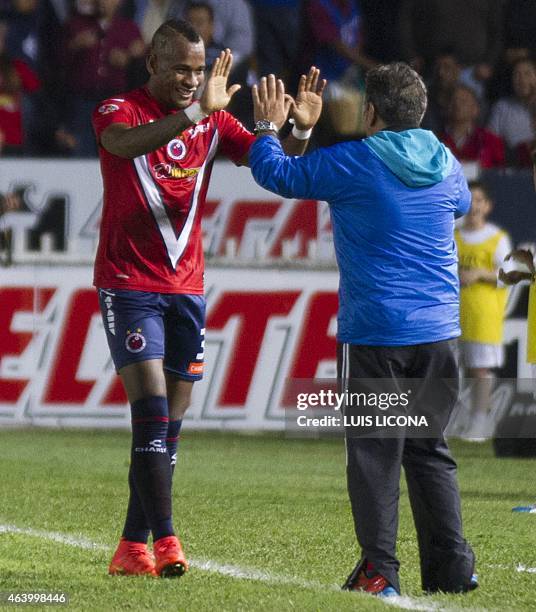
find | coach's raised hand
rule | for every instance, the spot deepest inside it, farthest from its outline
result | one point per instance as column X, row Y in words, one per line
column 307, row 107
column 270, row 102
column 216, row 96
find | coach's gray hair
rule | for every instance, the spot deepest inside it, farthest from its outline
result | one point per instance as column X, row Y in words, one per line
column 397, row 93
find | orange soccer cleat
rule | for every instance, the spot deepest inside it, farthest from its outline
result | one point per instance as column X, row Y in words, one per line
column 132, row 559
column 170, row 560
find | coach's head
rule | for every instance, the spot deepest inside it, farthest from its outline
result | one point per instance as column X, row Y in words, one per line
column 176, row 64
column 395, row 98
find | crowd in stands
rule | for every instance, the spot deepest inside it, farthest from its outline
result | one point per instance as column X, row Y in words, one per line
column 59, row 58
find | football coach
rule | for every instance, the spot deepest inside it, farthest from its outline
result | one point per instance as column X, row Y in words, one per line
column 393, row 198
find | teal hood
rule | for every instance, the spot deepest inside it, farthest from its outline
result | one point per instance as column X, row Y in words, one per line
column 416, row 156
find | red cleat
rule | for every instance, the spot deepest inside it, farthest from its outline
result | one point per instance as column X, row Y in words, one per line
column 365, row 579
column 132, row 559
column 170, row 560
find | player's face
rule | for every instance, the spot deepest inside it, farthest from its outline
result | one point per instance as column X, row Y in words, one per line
column 177, row 72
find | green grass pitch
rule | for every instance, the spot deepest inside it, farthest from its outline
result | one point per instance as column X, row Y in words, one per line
column 270, row 515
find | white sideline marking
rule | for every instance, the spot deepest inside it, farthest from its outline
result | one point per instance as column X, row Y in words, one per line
column 201, row 564
column 521, row 568
column 61, row 538
column 241, row 573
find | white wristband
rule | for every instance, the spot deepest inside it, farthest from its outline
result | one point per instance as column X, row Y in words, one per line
column 194, row 112
column 301, row 134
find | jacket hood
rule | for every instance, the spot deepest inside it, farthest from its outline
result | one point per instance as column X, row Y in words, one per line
column 415, row 156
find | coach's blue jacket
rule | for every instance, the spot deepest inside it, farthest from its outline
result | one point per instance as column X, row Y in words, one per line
column 393, row 199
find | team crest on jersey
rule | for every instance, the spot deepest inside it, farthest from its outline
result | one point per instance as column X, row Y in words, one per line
column 176, row 149
column 105, row 109
column 135, row 341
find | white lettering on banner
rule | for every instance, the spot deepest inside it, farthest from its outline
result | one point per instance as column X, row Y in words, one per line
column 55, row 365
column 259, row 223
column 264, row 327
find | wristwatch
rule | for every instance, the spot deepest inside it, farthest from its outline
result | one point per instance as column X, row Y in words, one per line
column 264, row 126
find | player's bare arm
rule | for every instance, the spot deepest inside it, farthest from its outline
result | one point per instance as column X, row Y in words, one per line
column 271, row 103
column 129, row 142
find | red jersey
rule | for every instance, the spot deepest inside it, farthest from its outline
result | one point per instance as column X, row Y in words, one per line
column 150, row 235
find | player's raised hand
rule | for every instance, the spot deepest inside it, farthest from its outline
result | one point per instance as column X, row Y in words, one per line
column 216, row 96
column 522, row 256
column 307, row 106
column 270, row 102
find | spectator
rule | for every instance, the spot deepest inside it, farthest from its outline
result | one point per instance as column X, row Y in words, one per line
column 334, row 44
column 16, row 79
column 465, row 138
column 201, row 16
column 98, row 50
column 150, row 15
column 519, row 42
column 445, row 78
column 233, row 25
column 277, row 29
column 525, row 150
column 510, row 117
column 471, row 28
column 9, row 202
column 22, row 38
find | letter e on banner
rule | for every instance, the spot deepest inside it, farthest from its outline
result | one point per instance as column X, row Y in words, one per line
column 12, row 300
column 254, row 310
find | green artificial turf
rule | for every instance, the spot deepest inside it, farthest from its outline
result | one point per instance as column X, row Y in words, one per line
column 261, row 504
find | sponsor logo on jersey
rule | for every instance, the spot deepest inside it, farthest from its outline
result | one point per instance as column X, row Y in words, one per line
column 196, row 368
column 171, row 171
column 135, row 341
column 105, row 109
column 176, row 149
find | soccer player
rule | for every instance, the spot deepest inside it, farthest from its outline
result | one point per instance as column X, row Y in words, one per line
column 393, row 199
column 156, row 147
column 482, row 247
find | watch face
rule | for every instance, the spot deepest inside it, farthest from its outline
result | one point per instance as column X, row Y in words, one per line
column 265, row 126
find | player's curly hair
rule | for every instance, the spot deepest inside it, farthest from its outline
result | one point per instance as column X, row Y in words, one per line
column 397, row 93
column 171, row 28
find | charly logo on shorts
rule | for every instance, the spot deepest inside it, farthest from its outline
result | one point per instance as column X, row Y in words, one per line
column 135, row 341
column 176, row 149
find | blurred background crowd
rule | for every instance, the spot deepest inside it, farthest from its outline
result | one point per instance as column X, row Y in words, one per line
column 59, row 58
